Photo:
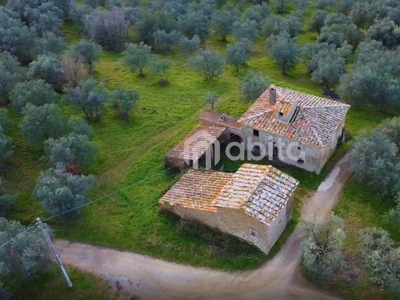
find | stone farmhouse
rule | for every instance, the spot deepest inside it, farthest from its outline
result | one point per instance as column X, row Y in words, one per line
column 296, row 128
column 254, row 204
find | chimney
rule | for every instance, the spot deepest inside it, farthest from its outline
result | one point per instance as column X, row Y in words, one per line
column 272, row 95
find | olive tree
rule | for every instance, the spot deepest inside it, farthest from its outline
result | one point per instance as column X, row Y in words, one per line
column 36, row 92
column 137, row 57
column 372, row 83
column 88, row 50
column 382, row 257
column 90, row 96
column 73, row 150
column 253, row 85
column 221, row 23
column 108, row 28
column 161, row 68
column 74, row 69
column 245, row 30
column 282, row 6
column 208, row 62
column 329, row 70
column 385, row 31
column 123, row 101
column 10, row 75
column 151, row 21
column 323, row 246
column 46, row 17
column 164, row 41
column 48, row 68
column 16, row 37
column 79, row 126
column 25, row 257
column 376, row 163
column 62, row 192
column 318, row 20
column 188, row 45
column 211, row 99
column 50, row 43
column 238, row 53
column 283, row 50
column 40, row 123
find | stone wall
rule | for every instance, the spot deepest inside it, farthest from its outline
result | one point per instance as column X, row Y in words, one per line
column 314, row 158
column 237, row 223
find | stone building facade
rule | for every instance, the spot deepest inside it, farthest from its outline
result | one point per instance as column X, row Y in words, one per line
column 300, row 129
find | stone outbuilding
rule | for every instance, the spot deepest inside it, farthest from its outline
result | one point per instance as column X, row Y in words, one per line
column 254, row 204
column 201, row 142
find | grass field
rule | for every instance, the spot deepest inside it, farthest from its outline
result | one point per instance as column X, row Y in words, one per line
column 130, row 161
column 51, row 285
column 131, row 158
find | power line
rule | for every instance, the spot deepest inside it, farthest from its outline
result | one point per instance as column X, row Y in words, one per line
column 18, row 235
column 98, row 199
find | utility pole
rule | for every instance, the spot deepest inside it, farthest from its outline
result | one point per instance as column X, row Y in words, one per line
column 48, row 240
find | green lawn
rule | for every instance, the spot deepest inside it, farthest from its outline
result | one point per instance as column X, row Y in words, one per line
column 51, row 285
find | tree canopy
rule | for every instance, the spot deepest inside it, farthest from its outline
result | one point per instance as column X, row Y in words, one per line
column 36, row 92
column 323, row 246
column 40, row 123
column 208, row 62
column 284, row 50
column 62, row 192
column 137, row 57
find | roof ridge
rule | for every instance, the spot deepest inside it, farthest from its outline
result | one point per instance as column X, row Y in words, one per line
column 262, row 178
column 255, row 116
column 339, row 104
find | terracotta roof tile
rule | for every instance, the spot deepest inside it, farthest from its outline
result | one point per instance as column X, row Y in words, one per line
column 242, row 184
column 197, row 190
column 270, row 196
column 261, row 191
column 218, row 119
column 197, row 142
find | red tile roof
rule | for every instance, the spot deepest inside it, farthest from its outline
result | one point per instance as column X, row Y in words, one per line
column 261, row 191
column 197, row 190
column 314, row 122
column 193, row 146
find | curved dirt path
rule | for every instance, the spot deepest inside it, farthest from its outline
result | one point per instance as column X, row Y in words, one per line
column 141, row 277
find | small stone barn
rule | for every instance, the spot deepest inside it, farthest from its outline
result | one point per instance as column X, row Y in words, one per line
column 254, row 204
column 282, row 116
column 194, row 148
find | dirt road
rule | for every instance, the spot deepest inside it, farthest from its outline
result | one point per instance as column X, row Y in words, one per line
column 141, row 277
